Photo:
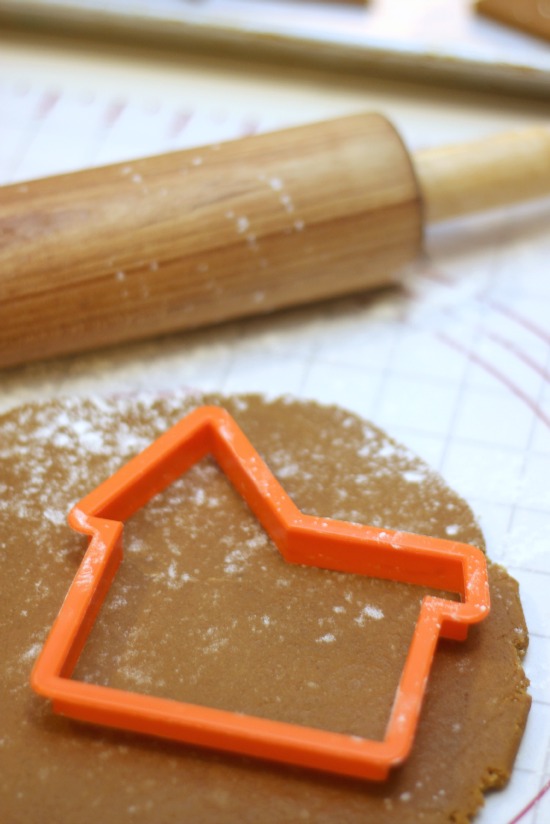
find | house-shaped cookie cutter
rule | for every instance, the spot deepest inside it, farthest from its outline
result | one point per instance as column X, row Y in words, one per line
column 302, row 539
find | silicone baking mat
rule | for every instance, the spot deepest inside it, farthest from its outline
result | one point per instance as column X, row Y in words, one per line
column 456, row 364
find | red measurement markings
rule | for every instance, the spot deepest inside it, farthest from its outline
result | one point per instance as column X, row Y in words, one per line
column 429, row 273
column 520, row 354
column 498, row 375
column 113, row 112
column 179, row 123
column 45, row 105
column 528, row 324
column 249, row 126
column 509, row 345
column 541, row 793
column 512, row 314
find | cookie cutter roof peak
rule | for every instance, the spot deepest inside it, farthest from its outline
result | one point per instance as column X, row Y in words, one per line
column 302, row 539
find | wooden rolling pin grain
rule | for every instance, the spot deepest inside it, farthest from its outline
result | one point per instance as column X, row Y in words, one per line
column 206, row 235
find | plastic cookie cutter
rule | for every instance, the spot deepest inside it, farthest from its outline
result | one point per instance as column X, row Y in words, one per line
column 302, row 539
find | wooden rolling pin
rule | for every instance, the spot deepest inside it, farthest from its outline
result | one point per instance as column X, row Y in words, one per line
column 206, row 235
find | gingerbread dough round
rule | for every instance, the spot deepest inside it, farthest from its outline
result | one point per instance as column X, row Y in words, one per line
column 204, row 609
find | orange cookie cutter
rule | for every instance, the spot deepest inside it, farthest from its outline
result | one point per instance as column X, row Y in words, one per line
column 302, row 539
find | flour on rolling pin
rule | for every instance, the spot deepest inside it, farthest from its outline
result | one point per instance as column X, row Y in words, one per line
column 198, row 237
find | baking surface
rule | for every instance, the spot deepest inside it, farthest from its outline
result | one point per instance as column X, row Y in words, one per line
column 456, row 364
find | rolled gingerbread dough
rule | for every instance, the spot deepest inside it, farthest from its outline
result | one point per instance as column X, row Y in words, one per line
column 204, row 609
